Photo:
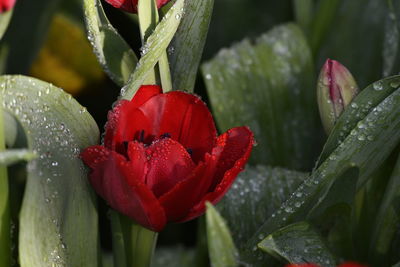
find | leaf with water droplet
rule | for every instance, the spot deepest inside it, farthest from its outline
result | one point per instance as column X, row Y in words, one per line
column 58, row 219
column 221, row 248
column 298, row 243
column 254, row 196
column 362, row 104
column 267, row 87
column 157, row 44
column 188, row 43
column 113, row 53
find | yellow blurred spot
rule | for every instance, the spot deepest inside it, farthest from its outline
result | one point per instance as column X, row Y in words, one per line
column 67, row 59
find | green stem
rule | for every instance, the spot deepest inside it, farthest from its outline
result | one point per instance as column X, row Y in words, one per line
column 143, row 243
column 148, row 20
column 117, row 240
column 5, row 238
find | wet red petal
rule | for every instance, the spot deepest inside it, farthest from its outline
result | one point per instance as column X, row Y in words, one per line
column 238, row 143
column 185, row 117
column 125, row 193
column 138, row 161
column 178, row 202
column 169, row 163
column 125, row 122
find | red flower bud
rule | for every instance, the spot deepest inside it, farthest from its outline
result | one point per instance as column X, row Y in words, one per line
column 162, row 160
column 6, row 5
column 336, row 89
column 351, row 264
column 131, row 5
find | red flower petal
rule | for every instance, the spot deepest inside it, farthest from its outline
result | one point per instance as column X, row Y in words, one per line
column 114, row 176
column 238, row 143
column 185, row 117
column 187, row 193
column 6, row 5
column 169, row 164
column 125, row 122
column 144, row 93
column 131, row 5
column 138, row 161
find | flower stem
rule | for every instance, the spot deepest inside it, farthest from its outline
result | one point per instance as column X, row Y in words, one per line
column 148, row 20
column 143, row 243
column 5, row 238
column 117, row 239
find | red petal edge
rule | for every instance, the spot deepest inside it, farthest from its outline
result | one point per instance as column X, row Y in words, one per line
column 111, row 177
column 227, row 139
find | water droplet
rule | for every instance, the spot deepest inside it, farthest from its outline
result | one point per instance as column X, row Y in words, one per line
column 378, row 86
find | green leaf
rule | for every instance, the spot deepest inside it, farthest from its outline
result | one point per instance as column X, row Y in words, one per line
column 187, row 46
column 387, row 220
column 256, row 193
column 173, row 256
column 366, row 147
column 11, row 156
column 154, row 48
column 298, row 243
column 5, row 18
column 221, row 248
column 269, row 87
column 363, row 104
column 18, row 50
column 58, row 220
column 114, row 54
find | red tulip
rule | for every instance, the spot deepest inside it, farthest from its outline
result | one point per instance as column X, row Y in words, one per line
column 351, row 264
column 131, row 5
column 6, row 5
column 162, row 160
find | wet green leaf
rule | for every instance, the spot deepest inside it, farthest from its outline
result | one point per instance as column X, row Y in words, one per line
column 268, row 86
column 187, row 46
column 298, row 243
column 256, row 193
column 114, row 54
column 58, row 220
column 391, row 41
column 154, row 48
column 366, row 147
column 221, row 248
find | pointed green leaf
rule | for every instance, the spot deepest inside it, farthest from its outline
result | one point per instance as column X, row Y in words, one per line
column 58, row 221
column 187, row 46
column 298, row 243
column 11, row 156
column 221, row 248
column 366, row 147
column 268, row 86
column 114, row 54
column 154, row 48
